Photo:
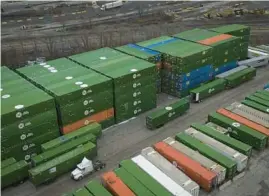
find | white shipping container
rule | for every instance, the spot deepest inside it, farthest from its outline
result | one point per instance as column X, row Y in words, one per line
column 111, row 5
column 255, row 62
column 159, row 176
column 170, row 170
column 217, row 128
column 254, row 52
column 219, row 170
column 249, row 113
column 231, row 71
column 227, row 151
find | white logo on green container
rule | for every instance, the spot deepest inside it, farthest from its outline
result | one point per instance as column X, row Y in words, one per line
column 20, row 126
column 25, row 147
column 23, row 137
column 86, row 112
column 85, row 102
column 27, row 157
column 134, row 76
column 84, row 92
column 236, row 124
column 18, row 114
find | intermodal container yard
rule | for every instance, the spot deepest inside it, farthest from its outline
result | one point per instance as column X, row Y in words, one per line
column 26, row 122
column 196, row 156
column 56, row 115
column 133, row 76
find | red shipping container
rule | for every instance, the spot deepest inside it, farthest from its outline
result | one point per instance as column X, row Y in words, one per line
column 205, row 178
column 115, row 185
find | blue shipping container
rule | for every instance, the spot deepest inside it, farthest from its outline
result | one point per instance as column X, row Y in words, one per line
column 193, row 83
column 225, row 67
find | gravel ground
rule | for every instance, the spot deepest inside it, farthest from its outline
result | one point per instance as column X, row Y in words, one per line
column 126, row 140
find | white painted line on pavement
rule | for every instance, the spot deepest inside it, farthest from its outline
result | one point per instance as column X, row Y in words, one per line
column 41, row 18
column 28, row 19
column 55, row 16
column 19, row 20
column 3, row 23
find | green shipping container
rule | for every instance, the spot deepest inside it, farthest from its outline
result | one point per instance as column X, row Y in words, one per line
column 210, row 153
column 14, row 173
column 239, row 131
column 256, row 106
column 162, row 116
column 29, row 148
column 225, row 139
column 264, row 92
column 217, row 128
column 150, row 183
column 240, row 77
column 93, row 128
column 7, row 162
column 59, row 150
column 137, row 187
column 258, row 100
column 82, row 192
column 97, row 189
column 48, row 171
column 261, row 96
column 233, row 29
column 207, row 90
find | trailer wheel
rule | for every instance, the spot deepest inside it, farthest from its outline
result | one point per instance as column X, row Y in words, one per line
column 80, row 178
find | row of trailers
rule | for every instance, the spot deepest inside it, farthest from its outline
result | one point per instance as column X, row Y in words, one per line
column 204, row 156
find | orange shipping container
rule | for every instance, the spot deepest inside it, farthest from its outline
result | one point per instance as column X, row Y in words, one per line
column 115, row 185
column 215, row 39
column 205, row 178
column 244, row 121
column 99, row 117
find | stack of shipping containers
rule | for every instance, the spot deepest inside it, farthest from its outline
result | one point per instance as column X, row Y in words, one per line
column 224, row 47
column 185, row 65
column 28, row 117
column 240, row 31
column 134, row 80
column 13, row 172
column 82, row 96
column 146, row 54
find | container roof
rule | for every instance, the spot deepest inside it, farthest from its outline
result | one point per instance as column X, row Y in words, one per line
column 112, row 63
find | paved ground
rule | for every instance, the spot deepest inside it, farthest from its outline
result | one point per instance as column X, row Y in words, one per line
column 125, row 140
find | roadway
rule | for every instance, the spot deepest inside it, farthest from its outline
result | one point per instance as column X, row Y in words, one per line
column 126, row 140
